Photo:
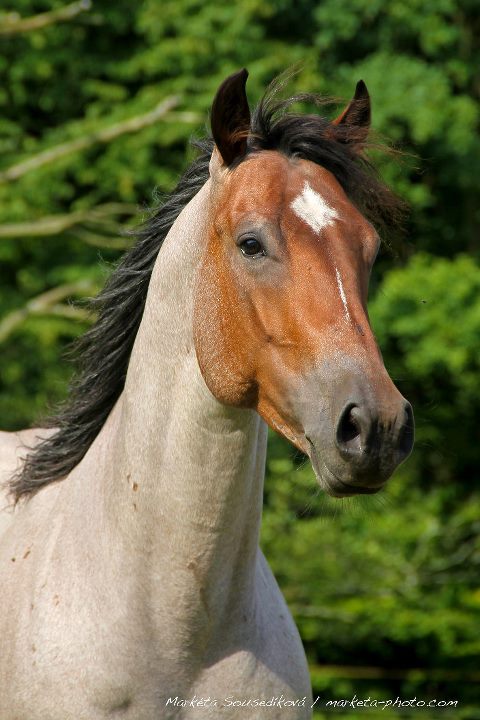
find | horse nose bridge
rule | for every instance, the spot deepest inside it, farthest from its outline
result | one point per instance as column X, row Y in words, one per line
column 382, row 404
column 349, row 324
column 356, row 378
column 361, row 384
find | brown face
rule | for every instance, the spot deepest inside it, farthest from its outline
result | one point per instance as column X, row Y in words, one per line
column 281, row 325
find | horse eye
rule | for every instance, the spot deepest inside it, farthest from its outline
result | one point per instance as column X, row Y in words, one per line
column 251, row 247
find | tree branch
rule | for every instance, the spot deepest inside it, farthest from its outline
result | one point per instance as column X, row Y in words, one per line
column 55, row 224
column 115, row 242
column 48, row 303
column 105, row 135
column 13, row 24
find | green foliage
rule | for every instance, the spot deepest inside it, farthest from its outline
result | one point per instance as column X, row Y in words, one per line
column 427, row 318
column 389, row 582
column 379, row 586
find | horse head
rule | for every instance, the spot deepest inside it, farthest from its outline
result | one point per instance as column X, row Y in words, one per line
column 281, row 322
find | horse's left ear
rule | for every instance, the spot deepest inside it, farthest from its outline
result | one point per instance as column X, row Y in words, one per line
column 230, row 117
column 357, row 114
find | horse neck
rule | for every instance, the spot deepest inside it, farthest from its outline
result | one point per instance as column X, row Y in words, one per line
column 187, row 475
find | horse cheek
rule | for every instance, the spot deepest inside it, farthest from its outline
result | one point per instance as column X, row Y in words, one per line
column 220, row 345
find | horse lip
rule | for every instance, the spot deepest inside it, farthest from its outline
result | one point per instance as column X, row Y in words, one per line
column 332, row 484
column 346, row 490
column 338, row 488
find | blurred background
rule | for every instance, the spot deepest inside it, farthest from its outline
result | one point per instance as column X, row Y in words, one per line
column 98, row 103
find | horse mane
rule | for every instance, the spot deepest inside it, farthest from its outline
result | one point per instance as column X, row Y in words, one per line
column 103, row 352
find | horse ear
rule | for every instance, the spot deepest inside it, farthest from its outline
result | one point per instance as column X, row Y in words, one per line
column 230, row 117
column 357, row 114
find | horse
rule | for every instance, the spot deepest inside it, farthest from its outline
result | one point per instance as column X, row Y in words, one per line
column 133, row 584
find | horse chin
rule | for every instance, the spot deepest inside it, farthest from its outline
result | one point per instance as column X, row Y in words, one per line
column 335, row 486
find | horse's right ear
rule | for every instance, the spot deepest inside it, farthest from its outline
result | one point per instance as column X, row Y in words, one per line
column 357, row 115
column 230, row 117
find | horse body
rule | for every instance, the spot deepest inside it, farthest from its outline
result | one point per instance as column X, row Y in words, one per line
column 134, row 586
column 139, row 577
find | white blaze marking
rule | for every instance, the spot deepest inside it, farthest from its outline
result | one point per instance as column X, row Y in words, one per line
column 342, row 294
column 313, row 209
column 316, row 212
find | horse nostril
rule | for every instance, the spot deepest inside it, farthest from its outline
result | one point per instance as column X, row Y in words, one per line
column 367, row 442
column 407, row 433
column 349, row 431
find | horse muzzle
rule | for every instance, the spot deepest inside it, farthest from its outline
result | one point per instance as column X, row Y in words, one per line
column 360, row 437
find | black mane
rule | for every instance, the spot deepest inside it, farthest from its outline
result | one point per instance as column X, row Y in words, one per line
column 104, row 350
